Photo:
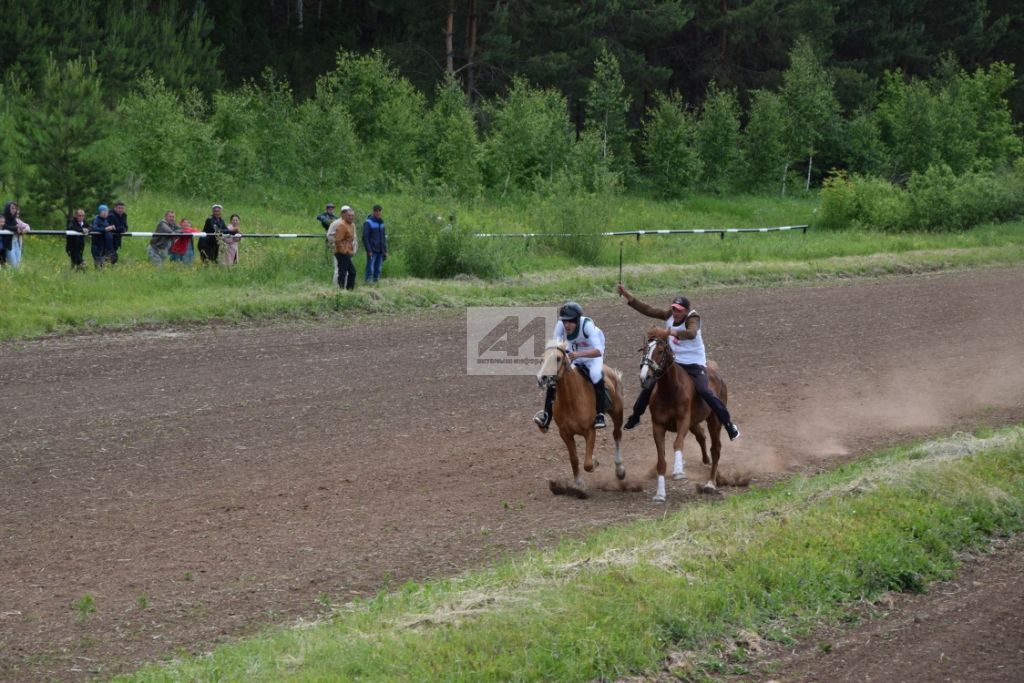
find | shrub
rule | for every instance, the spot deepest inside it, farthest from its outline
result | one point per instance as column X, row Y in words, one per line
column 861, row 202
column 562, row 209
column 435, row 249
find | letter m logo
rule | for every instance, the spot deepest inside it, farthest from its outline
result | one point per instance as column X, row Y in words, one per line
column 507, row 337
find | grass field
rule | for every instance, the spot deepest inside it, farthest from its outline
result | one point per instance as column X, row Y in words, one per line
column 772, row 563
column 292, row 277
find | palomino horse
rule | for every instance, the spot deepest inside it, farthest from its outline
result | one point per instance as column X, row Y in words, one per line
column 675, row 407
column 575, row 406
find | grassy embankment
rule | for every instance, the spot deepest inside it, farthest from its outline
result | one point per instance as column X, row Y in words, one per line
column 291, row 277
column 686, row 589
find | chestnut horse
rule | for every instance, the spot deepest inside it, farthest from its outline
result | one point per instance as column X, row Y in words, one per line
column 675, row 407
column 575, row 407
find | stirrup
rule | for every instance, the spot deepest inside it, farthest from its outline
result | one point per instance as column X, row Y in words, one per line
column 733, row 431
column 542, row 420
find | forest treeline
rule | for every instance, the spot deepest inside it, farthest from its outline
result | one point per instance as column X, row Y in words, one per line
column 473, row 96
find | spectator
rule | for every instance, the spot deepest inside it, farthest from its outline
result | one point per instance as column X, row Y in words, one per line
column 75, row 244
column 231, row 240
column 375, row 241
column 214, row 227
column 182, row 250
column 11, row 244
column 327, row 219
column 119, row 219
column 343, row 232
column 160, row 243
column 102, row 236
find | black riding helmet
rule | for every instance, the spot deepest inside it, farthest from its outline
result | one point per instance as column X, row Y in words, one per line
column 570, row 311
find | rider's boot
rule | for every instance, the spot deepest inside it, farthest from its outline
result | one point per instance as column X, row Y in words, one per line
column 543, row 417
column 599, row 422
column 638, row 409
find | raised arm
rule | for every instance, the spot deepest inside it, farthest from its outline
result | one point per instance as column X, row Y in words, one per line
column 641, row 307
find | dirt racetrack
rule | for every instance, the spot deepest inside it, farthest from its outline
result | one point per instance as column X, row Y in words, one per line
column 199, row 482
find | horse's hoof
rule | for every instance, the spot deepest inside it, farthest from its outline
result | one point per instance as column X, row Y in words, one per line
column 679, row 476
column 620, row 471
column 709, row 488
column 589, row 468
column 658, row 498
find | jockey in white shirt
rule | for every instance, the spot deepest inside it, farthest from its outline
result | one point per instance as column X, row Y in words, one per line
column 586, row 348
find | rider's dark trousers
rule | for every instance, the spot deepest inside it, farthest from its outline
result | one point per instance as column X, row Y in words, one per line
column 699, row 375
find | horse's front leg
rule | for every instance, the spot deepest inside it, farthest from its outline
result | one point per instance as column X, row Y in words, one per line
column 570, row 444
column 588, row 458
column 682, row 427
column 659, row 443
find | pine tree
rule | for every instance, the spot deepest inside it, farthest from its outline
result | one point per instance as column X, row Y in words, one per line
column 718, row 137
column 454, row 143
column 607, row 105
column 808, row 91
column 671, row 161
column 62, row 134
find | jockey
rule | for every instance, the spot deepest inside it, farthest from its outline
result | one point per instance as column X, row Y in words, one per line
column 586, row 349
column 688, row 348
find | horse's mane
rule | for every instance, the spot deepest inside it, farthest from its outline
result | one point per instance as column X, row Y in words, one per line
column 657, row 331
column 556, row 344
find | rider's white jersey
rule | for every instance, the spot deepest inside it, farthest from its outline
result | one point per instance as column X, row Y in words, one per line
column 588, row 336
column 687, row 351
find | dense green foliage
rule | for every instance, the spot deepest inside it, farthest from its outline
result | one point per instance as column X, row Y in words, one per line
column 934, row 200
column 579, row 98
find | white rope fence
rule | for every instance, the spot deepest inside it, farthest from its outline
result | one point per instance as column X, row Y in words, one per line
column 721, row 232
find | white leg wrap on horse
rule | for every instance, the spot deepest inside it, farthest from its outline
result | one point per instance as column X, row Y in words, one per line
column 618, row 452
column 677, row 469
column 660, row 495
column 579, row 481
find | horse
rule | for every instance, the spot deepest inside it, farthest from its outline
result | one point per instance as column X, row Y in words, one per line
column 574, row 409
column 675, row 407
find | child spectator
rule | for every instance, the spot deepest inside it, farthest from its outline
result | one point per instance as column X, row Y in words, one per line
column 75, row 244
column 182, row 250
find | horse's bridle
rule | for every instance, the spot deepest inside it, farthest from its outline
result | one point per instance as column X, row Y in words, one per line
column 552, row 381
column 657, row 369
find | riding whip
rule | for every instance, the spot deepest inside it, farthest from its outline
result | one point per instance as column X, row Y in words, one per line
column 620, row 262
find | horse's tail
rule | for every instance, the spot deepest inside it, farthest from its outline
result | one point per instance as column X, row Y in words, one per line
column 714, row 372
column 616, row 377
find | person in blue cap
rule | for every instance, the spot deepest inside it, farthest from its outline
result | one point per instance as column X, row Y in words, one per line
column 102, row 231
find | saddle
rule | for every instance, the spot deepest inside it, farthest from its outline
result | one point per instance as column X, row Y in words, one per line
column 586, row 375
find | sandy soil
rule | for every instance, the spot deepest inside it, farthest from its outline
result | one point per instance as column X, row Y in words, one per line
column 200, row 482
